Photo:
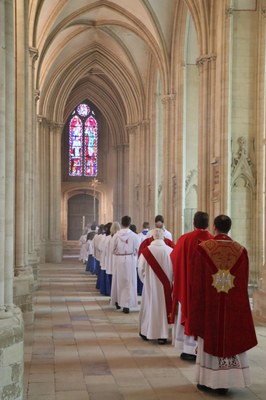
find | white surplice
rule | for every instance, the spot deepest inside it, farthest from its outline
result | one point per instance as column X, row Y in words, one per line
column 124, row 284
column 153, row 315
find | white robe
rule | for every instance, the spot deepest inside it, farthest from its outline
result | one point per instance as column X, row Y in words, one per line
column 83, row 248
column 218, row 372
column 187, row 344
column 124, row 284
column 153, row 315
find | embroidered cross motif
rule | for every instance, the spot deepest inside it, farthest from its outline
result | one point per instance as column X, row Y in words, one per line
column 223, row 281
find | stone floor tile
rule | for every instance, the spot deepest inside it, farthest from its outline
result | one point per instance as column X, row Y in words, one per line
column 81, row 348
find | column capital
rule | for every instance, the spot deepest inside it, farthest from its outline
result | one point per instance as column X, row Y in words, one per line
column 168, row 98
column 34, row 54
column 37, row 94
column 229, row 11
column 263, row 12
column 132, row 128
column 205, row 58
column 41, row 119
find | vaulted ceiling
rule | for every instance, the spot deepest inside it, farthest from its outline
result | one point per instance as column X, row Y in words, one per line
column 101, row 48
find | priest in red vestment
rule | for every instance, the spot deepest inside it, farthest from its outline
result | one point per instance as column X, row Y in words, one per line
column 220, row 314
column 181, row 259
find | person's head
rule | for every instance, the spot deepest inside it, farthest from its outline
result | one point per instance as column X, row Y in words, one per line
column 201, row 220
column 125, row 221
column 107, row 228
column 93, row 227
column 159, row 221
column 146, row 225
column 133, row 228
column 222, row 224
column 101, row 230
column 115, row 227
column 158, row 233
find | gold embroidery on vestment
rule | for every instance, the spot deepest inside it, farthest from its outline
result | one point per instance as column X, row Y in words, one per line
column 223, row 281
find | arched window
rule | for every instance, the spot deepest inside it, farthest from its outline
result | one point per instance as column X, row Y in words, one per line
column 83, row 142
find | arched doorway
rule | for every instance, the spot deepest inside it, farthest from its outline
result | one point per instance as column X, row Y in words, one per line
column 83, row 210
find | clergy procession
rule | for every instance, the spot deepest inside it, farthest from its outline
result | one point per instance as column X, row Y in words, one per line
column 192, row 294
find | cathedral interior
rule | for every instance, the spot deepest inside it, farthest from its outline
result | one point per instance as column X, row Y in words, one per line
column 112, row 108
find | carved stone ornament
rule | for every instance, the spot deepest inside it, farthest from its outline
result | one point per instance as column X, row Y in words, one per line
column 191, row 178
column 206, row 58
column 242, row 165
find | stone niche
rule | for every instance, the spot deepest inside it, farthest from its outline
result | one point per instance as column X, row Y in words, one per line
column 11, row 354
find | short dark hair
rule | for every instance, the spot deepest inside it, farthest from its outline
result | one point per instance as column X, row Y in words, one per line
column 126, row 221
column 223, row 223
column 146, row 225
column 201, row 220
column 159, row 218
column 133, row 228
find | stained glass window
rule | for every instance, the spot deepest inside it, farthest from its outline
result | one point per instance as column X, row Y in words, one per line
column 83, row 142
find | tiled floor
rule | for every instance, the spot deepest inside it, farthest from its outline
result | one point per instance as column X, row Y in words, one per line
column 80, row 348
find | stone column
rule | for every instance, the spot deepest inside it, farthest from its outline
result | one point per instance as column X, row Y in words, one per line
column 169, row 151
column 23, row 281
column 43, row 161
column 259, row 296
column 122, row 180
column 145, row 212
column 54, row 245
column 133, row 167
column 11, row 322
column 33, row 258
column 206, row 66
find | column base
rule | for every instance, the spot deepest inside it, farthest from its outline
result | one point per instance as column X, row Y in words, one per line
column 54, row 251
column 23, row 292
column 11, row 355
column 259, row 306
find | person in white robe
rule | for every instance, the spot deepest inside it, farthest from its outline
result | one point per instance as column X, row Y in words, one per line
column 153, row 317
column 124, row 284
column 83, row 247
column 159, row 223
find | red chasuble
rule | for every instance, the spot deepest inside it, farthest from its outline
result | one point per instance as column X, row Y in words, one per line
column 181, row 258
column 161, row 275
column 219, row 305
column 148, row 241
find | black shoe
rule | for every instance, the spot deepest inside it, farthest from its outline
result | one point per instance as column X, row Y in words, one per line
column 117, row 306
column 143, row 336
column 221, row 391
column 126, row 310
column 162, row 341
column 188, row 357
column 203, row 388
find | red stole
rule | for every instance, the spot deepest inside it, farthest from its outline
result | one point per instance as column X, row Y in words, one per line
column 155, row 266
column 150, row 239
